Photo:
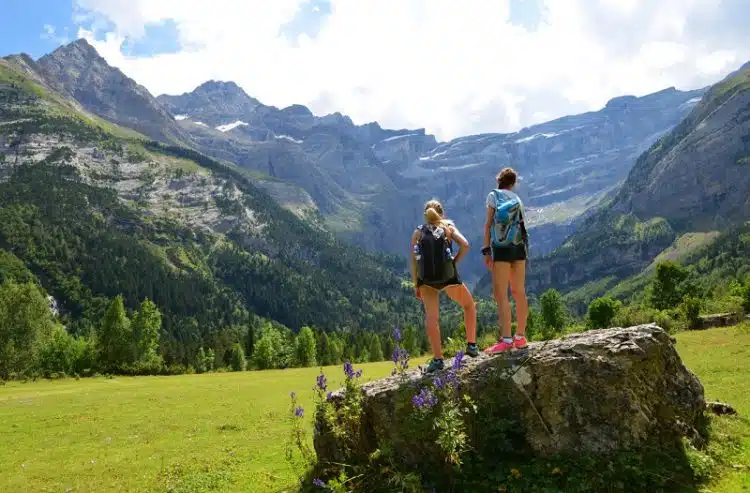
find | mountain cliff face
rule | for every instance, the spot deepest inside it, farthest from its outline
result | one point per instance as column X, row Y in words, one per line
column 77, row 71
column 694, row 179
column 351, row 172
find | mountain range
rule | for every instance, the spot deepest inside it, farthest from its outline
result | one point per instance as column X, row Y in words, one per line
column 227, row 193
column 694, row 179
column 363, row 178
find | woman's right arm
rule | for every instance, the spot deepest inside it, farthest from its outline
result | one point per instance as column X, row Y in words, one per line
column 413, row 262
column 487, row 234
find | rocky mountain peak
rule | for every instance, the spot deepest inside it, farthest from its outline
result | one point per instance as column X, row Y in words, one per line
column 225, row 88
column 79, row 72
column 79, row 51
column 620, row 102
column 214, row 102
column 298, row 110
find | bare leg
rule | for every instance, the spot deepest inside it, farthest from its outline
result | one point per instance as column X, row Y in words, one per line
column 461, row 295
column 431, row 300
column 518, row 290
column 500, row 279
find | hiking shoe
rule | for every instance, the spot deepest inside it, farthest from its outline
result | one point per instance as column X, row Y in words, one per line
column 472, row 350
column 500, row 347
column 435, row 365
column 519, row 342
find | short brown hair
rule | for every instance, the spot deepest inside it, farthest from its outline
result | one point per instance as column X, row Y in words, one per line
column 506, row 178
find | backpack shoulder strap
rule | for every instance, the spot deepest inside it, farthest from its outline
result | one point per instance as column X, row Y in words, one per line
column 496, row 194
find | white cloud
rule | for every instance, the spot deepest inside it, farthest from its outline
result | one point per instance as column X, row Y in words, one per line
column 50, row 32
column 452, row 67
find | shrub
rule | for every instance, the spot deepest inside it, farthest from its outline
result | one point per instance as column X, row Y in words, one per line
column 690, row 309
column 745, row 292
column 601, row 312
column 667, row 289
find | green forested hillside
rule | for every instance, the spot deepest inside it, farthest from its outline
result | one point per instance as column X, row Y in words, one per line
column 715, row 266
column 90, row 211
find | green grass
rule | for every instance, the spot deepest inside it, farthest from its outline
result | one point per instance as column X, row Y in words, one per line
column 227, row 432
column 224, row 430
column 721, row 359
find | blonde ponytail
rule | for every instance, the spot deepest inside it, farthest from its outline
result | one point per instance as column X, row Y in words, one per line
column 433, row 214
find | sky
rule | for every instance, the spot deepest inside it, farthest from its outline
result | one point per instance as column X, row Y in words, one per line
column 453, row 67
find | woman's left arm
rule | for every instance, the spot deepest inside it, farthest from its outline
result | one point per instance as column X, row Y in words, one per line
column 463, row 244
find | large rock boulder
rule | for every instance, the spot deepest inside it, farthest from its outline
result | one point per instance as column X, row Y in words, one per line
column 598, row 392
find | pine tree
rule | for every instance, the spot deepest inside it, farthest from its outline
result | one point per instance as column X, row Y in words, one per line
column 146, row 331
column 200, row 363
column 553, row 314
column 376, row 348
column 238, row 362
column 410, row 341
column 324, row 353
column 115, row 337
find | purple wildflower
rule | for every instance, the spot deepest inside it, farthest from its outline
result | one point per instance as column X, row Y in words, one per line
column 329, row 396
column 358, row 374
column 396, row 354
column 458, row 361
column 348, row 370
column 293, row 395
column 322, row 382
column 439, row 383
column 452, row 379
column 299, row 412
column 425, row 399
column 396, row 334
column 319, row 483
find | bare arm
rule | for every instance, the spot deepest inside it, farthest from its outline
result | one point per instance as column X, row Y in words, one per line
column 488, row 225
column 463, row 244
column 412, row 258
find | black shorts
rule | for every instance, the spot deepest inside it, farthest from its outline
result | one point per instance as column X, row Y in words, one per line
column 509, row 254
column 456, row 281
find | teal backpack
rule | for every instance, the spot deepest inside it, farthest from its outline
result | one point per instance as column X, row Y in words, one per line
column 508, row 228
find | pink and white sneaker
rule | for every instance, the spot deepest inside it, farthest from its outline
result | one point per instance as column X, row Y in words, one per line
column 500, row 347
column 519, row 342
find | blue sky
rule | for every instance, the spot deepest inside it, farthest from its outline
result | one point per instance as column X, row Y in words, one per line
column 453, row 67
column 23, row 25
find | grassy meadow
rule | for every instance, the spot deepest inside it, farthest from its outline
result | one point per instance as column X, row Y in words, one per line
column 227, row 432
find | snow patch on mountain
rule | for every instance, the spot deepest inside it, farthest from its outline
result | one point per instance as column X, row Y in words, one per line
column 289, row 138
column 230, row 126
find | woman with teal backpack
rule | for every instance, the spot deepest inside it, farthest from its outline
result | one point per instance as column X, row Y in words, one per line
column 505, row 250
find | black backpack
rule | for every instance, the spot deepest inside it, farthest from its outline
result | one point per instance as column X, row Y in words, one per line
column 434, row 258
